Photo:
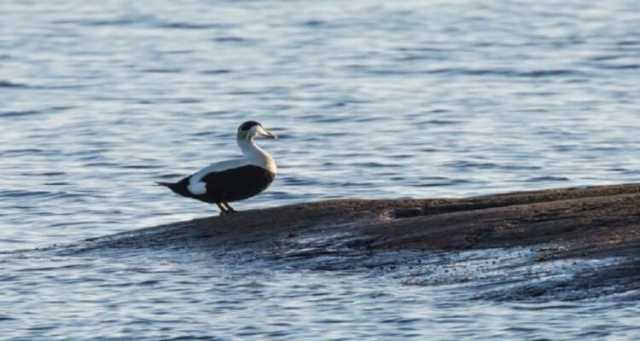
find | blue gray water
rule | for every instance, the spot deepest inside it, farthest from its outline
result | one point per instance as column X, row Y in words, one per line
column 370, row 99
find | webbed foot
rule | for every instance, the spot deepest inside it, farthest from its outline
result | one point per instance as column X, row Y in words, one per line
column 229, row 209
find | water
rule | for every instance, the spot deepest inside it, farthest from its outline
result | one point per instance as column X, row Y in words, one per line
column 370, row 99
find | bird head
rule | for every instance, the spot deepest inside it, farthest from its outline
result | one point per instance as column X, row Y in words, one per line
column 252, row 129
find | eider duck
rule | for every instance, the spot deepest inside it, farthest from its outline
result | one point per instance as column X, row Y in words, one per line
column 232, row 180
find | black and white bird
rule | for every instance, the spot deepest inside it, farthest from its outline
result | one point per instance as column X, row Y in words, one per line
column 232, row 180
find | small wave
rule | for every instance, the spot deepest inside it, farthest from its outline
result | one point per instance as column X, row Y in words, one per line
column 40, row 194
column 401, row 156
column 619, row 66
column 12, row 241
column 246, row 92
column 471, row 164
column 143, row 21
column 346, row 102
column 337, row 104
column 215, row 72
column 122, row 21
column 519, row 167
column 139, row 166
column 363, row 119
column 61, row 108
column 628, row 43
column 230, row 39
column 314, row 23
column 605, row 149
column 604, row 57
column 490, row 165
column 298, row 182
column 441, row 122
column 46, row 174
column 375, row 165
column 55, row 268
column 57, row 183
column 317, row 118
column 441, row 182
column 102, row 22
column 434, row 184
column 23, row 193
column 507, row 72
column 548, row 73
column 333, row 134
column 188, row 100
column 547, row 179
column 104, row 164
column 19, row 113
column 188, row 26
column 26, row 151
column 9, row 84
column 170, row 176
column 162, row 70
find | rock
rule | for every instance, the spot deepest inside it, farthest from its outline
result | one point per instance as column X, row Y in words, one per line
column 585, row 223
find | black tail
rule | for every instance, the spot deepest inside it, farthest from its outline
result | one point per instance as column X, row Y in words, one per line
column 176, row 187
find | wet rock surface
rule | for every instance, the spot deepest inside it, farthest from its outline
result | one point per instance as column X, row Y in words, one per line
column 567, row 244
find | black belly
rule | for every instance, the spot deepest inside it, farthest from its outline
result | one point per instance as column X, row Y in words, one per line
column 231, row 185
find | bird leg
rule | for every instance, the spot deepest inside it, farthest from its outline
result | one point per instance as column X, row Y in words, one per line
column 229, row 208
column 223, row 210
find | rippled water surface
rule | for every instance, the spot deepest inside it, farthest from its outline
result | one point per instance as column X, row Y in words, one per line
column 370, row 99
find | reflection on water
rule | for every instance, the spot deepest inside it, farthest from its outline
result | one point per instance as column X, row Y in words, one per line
column 419, row 99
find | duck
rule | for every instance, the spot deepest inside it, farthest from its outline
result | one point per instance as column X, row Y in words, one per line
column 232, row 180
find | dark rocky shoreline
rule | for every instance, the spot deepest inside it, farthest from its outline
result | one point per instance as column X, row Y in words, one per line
column 585, row 223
